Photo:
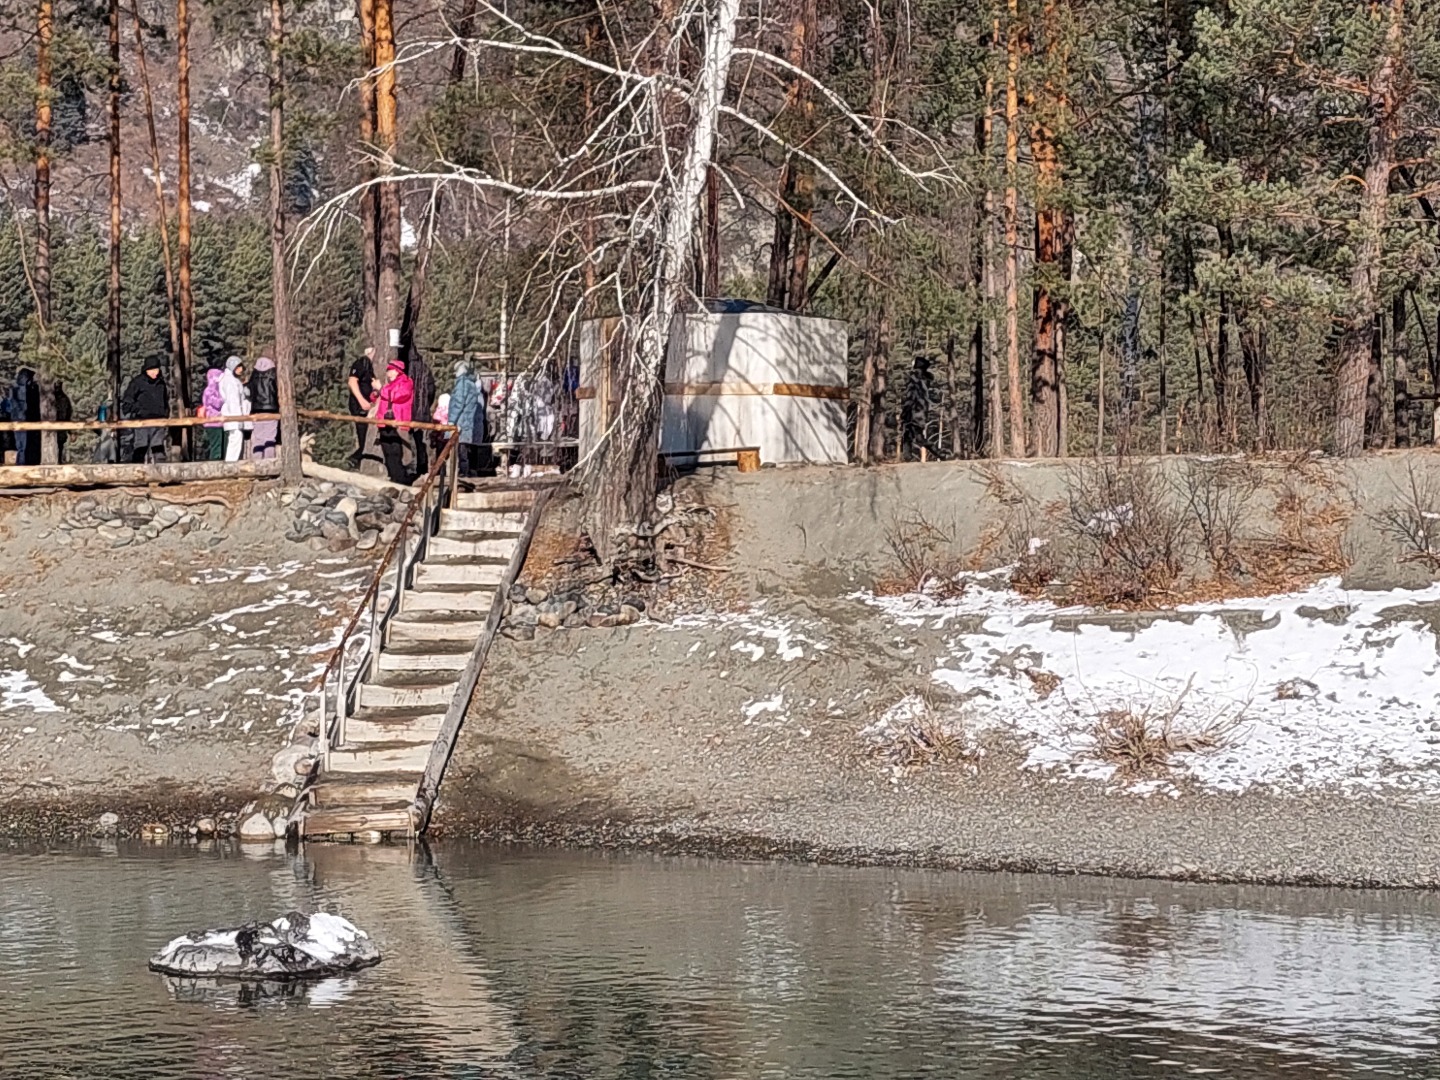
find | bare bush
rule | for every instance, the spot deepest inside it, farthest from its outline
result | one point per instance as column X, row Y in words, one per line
column 1309, row 542
column 1219, row 495
column 1144, row 741
column 925, row 558
column 913, row 734
column 1414, row 521
column 1126, row 535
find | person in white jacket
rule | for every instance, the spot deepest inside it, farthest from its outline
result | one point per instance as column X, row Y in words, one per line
column 235, row 401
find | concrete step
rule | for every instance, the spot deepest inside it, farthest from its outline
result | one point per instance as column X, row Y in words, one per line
column 423, row 660
column 416, row 694
column 345, row 821
column 334, row 790
column 428, row 575
column 418, row 629
column 400, row 757
column 474, row 602
column 462, row 545
column 420, row 724
column 482, row 521
column 495, row 500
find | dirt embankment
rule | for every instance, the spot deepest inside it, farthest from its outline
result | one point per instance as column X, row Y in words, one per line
column 782, row 721
column 156, row 681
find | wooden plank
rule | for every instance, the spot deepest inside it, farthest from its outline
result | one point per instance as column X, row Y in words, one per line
column 131, row 425
column 444, row 745
column 347, row 418
column 168, row 472
column 343, row 821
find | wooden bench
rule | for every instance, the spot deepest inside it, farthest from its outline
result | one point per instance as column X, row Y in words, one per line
column 747, row 458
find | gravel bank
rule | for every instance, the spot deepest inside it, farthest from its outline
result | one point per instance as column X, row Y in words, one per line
column 744, row 731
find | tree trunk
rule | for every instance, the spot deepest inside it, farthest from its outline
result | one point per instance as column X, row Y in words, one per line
column 1252, row 359
column 1375, row 387
column 620, row 483
column 1054, row 231
column 779, row 280
column 712, row 285
column 177, row 368
column 1054, row 239
column 879, row 361
column 388, row 302
column 279, row 280
column 1353, row 374
column 45, row 34
column 112, row 324
column 182, row 200
column 995, row 441
column 1400, row 362
column 1220, row 376
column 369, row 196
column 1012, row 231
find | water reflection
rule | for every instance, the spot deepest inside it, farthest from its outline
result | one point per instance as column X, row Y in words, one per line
column 514, row 964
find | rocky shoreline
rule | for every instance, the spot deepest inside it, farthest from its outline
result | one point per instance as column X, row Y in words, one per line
column 1250, row 840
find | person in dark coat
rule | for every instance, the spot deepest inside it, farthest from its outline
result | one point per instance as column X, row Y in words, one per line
column 264, row 398
column 362, row 387
column 423, row 404
column 147, row 398
column 64, row 412
column 25, row 408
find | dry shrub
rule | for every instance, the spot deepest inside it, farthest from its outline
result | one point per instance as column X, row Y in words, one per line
column 925, row 558
column 1219, row 495
column 1310, row 540
column 1126, row 537
column 920, row 738
column 1414, row 521
column 1143, row 741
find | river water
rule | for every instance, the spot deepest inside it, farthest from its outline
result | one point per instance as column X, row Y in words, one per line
column 506, row 963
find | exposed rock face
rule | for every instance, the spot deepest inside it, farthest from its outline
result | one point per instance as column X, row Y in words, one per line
column 294, row 946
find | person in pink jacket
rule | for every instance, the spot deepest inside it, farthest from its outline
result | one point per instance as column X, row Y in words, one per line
column 394, row 402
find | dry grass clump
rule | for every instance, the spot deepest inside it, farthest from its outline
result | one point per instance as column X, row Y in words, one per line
column 925, row 557
column 914, row 735
column 1144, row 741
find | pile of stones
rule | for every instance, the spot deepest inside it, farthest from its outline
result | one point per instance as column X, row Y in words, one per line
column 532, row 612
column 338, row 517
column 121, row 520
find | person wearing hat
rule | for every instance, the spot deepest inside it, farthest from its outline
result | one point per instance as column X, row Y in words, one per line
column 147, row 398
column 234, row 401
column 395, row 403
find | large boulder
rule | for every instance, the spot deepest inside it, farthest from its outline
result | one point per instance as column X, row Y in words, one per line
column 294, row 946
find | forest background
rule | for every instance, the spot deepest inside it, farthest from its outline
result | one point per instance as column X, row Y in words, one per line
column 1161, row 226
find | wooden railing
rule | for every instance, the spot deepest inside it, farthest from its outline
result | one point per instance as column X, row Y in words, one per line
column 348, row 667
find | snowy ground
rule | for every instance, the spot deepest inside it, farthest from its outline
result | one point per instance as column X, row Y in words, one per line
column 1321, row 689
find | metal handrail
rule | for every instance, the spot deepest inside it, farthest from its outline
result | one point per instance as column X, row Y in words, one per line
column 424, row 511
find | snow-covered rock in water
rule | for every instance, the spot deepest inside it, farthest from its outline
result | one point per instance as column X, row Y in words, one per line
column 294, row 946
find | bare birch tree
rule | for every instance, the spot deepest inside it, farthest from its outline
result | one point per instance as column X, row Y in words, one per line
column 621, row 197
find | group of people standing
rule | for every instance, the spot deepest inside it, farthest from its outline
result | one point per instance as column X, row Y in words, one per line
column 405, row 393
column 228, row 392
column 21, row 404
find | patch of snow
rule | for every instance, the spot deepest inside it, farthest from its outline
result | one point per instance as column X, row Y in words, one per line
column 756, row 709
column 789, row 635
column 73, row 664
column 19, row 691
column 1320, row 688
column 22, row 648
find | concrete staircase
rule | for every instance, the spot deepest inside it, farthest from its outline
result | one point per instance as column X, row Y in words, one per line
column 369, row 779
